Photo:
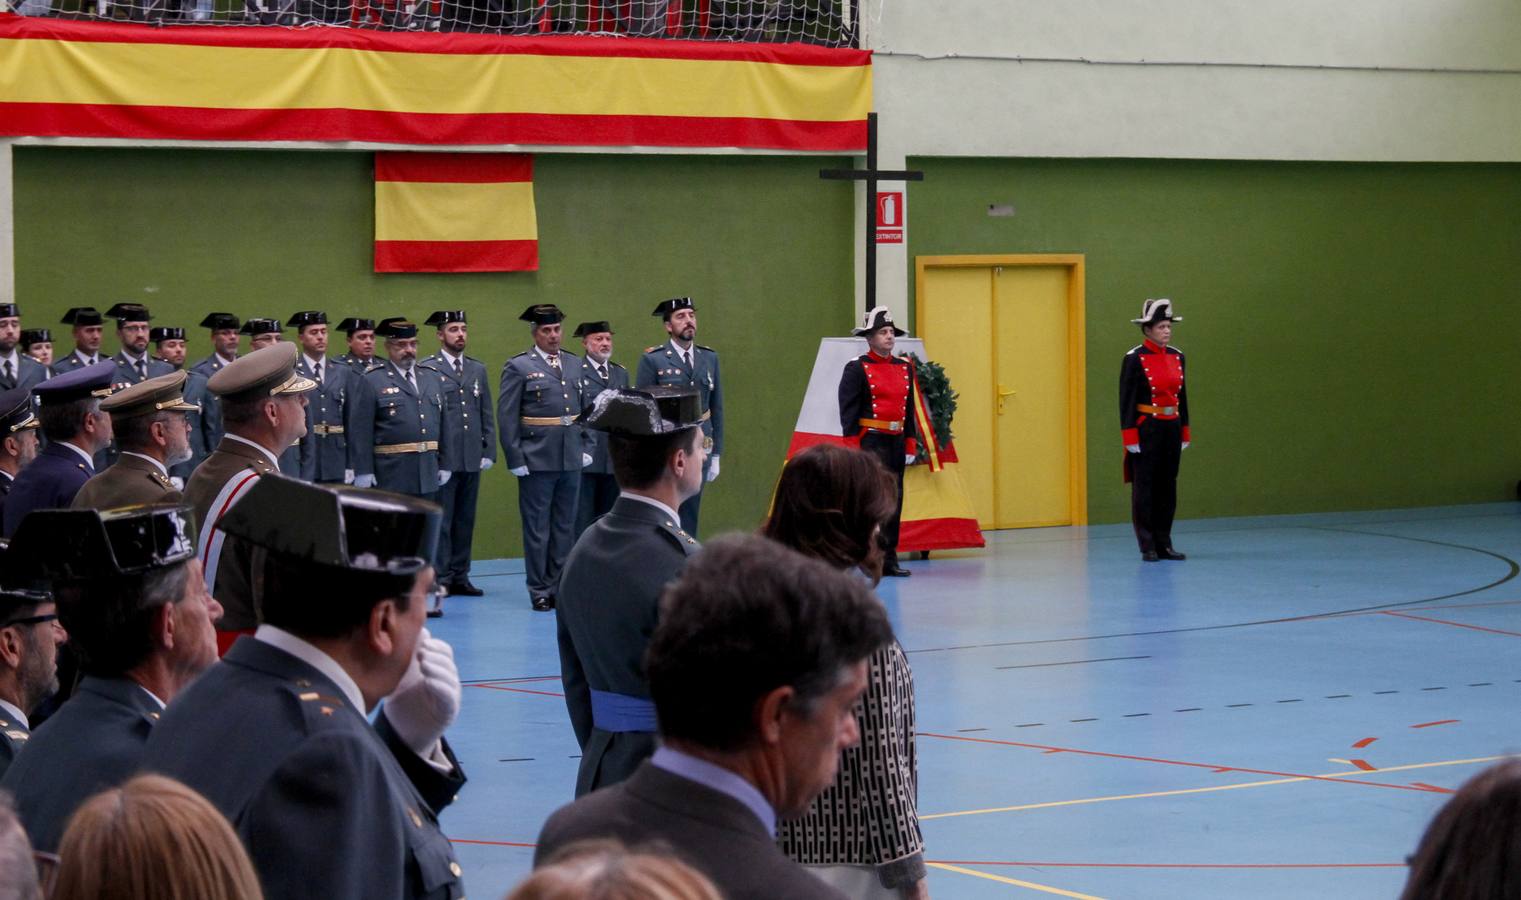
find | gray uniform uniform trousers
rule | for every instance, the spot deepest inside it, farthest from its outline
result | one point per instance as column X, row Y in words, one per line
column 326, row 452
column 608, row 604
column 393, row 432
column 547, row 495
column 598, row 486
column 663, row 365
column 469, row 420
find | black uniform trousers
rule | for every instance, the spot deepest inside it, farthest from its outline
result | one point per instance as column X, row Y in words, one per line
column 598, row 492
column 455, row 538
column 1154, row 483
column 547, row 503
column 889, row 449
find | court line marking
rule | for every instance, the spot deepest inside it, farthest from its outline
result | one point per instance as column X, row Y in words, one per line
column 1214, row 767
column 1207, row 790
column 1365, row 742
column 1073, row 662
column 522, row 680
column 1045, row 888
column 502, row 687
column 1439, row 722
column 1089, row 865
column 492, row 843
column 1453, row 624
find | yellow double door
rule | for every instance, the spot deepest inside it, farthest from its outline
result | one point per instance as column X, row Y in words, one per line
column 1009, row 332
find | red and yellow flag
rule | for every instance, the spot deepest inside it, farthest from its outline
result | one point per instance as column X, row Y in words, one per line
column 455, row 212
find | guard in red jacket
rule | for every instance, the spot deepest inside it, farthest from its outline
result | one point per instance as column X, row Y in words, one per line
column 877, row 413
column 1154, row 428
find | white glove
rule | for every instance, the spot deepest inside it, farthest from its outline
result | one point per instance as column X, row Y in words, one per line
column 1132, row 448
column 519, row 471
column 1185, row 445
column 713, row 469
column 364, row 481
column 487, row 463
column 178, row 482
column 586, row 460
column 908, row 458
column 348, row 476
column 426, row 700
column 443, row 477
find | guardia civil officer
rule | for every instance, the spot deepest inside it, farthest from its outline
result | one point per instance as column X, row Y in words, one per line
column 152, row 429
column 546, row 448
column 610, row 591
column 1154, row 429
column 276, row 735
column 88, row 328
column 326, row 455
column 76, row 430
column 681, row 363
column 471, row 446
column 29, row 639
column 225, row 334
column 17, row 369
column 263, row 333
column 38, row 344
column 129, row 592
column 168, row 345
column 133, row 363
column 877, row 414
column 263, row 402
column 361, row 342
column 18, row 438
column 399, row 435
column 208, row 430
column 599, row 373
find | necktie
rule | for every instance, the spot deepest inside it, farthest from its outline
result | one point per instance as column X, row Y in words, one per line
column 602, row 371
column 459, row 369
column 686, row 357
column 10, row 381
column 142, row 368
column 317, row 369
column 412, row 381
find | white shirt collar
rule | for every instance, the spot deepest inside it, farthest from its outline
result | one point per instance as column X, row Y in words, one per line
column 453, row 360
column 312, row 362
column 225, row 360
column 545, row 356
column 152, row 696
column 87, row 457
column 16, row 714
column 14, row 357
column 134, row 360
column 273, row 459
column 86, row 359
column 156, row 464
column 281, row 639
column 680, row 352
column 652, row 502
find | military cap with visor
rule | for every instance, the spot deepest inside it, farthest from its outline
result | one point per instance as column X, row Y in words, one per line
column 443, row 317
column 396, row 327
column 83, row 315
column 585, row 329
column 163, row 392
column 261, row 326
column 266, row 372
column 33, row 336
column 129, row 312
column 16, row 412
column 85, row 544
column 666, row 308
column 166, row 333
column 86, row 381
column 542, row 314
column 220, row 321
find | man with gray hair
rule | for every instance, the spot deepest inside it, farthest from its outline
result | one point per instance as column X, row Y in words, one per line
column 76, row 430
column 152, row 429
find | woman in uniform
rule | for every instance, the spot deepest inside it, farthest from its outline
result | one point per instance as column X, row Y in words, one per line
column 1154, row 428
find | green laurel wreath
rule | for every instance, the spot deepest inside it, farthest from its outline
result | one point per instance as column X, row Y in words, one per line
column 939, row 399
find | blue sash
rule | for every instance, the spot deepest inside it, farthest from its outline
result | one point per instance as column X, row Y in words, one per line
column 621, row 713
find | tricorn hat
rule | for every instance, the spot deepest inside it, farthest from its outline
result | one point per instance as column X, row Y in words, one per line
column 396, row 327
column 220, row 321
column 590, row 328
column 665, row 308
column 878, row 317
column 262, row 326
column 30, row 336
column 166, row 333
column 9, row 310
column 129, row 312
column 643, row 412
column 443, row 317
column 1154, row 311
column 308, row 317
column 542, row 314
column 82, row 315
column 350, row 325
column 79, row 544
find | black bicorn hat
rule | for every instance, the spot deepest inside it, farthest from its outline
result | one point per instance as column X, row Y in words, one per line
column 86, row 381
column 16, row 411
column 1154, row 311
column 307, row 317
column 396, row 327
column 166, row 333
column 339, row 526
column 665, row 308
column 220, row 321
column 590, row 328
column 351, row 324
column 83, row 544
column 643, row 412
column 9, row 310
column 543, row 314
column 443, row 317
column 82, row 315
column 129, row 312
column 30, row 336
column 262, row 326
column 878, row 317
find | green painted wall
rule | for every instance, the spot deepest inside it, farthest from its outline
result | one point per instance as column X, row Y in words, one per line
column 761, row 244
column 1351, row 329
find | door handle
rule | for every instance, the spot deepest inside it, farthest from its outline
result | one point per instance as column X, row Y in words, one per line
column 1002, row 393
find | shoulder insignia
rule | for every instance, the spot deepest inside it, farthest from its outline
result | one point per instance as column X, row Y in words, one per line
column 701, row 347
column 80, row 466
column 652, row 349
column 471, row 358
column 17, row 735
column 616, row 365
column 427, row 364
column 1132, row 350
column 1175, row 350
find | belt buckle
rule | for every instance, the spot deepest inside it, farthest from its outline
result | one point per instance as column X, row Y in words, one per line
column 567, row 420
column 1169, row 410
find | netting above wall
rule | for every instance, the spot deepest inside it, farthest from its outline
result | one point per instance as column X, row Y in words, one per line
column 830, row 23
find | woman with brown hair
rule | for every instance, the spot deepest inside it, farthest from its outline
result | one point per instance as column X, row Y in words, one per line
column 152, row 839
column 607, row 870
column 1472, row 849
column 862, row 834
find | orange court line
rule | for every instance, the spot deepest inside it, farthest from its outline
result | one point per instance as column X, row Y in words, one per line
column 499, row 687
column 1364, row 742
column 1171, row 762
column 1438, row 722
column 1453, row 624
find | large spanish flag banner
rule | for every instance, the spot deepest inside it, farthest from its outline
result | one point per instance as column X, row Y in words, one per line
column 106, row 80
column 455, row 212
column 937, row 510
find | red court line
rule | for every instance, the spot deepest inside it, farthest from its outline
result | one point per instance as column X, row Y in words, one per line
column 515, row 680
column 491, row 843
column 1453, row 624
column 1088, row 865
column 1171, row 762
column 1438, row 722
column 1439, row 790
column 1363, row 743
column 498, row 687
column 1364, row 765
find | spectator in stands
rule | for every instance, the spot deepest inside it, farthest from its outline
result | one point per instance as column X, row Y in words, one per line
column 755, row 669
column 153, row 839
column 29, row 639
column 18, row 872
column 130, row 592
column 862, row 833
column 1472, row 848
column 608, row 869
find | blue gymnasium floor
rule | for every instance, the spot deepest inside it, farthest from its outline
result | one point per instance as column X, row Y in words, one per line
column 1279, row 716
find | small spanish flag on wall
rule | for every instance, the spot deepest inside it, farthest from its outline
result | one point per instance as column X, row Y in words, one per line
column 455, row 212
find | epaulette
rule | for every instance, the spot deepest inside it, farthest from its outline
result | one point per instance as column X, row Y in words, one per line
column 653, row 349
column 701, row 347
column 1133, row 349
column 616, row 365
column 524, row 353
column 472, row 359
column 162, row 479
column 316, row 706
column 424, row 364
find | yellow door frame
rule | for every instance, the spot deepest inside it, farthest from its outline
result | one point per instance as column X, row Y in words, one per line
column 1077, row 387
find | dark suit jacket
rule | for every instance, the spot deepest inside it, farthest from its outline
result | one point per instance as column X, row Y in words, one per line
column 327, row 805
column 593, row 384
column 239, row 581
column 129, row 481
column 608, row 602
column 709, row 830
column 50, row 482
column 94, row 741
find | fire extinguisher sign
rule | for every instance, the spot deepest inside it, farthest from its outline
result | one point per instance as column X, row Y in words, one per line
column 889, row 217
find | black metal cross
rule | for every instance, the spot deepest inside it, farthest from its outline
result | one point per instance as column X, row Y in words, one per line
column 871, row 175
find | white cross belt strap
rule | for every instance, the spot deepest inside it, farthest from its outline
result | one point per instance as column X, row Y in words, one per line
column 209, row 544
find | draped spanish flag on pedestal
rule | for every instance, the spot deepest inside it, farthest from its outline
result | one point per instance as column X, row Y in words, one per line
column 455, row 212
column 937, row 511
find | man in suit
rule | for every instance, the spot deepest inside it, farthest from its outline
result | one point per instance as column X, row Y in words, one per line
column 599, row 373
column 326, row 456
column 468, row 420
column 681, row 363
column 29, row 640
column 76, row 430
column 88, row 329
column 360, row 334
column 539, row 401
column 131, row 596
column 610, row 590
column 17, row 369
column 133, row 364
column 38, row 344
column 755, row 669
column 399, row 438
column 18, row 438
column 276, row 735
column 264, row 409
column 207, row 431
column 152, row 429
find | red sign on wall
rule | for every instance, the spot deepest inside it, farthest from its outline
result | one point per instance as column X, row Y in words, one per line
column 889, row 217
